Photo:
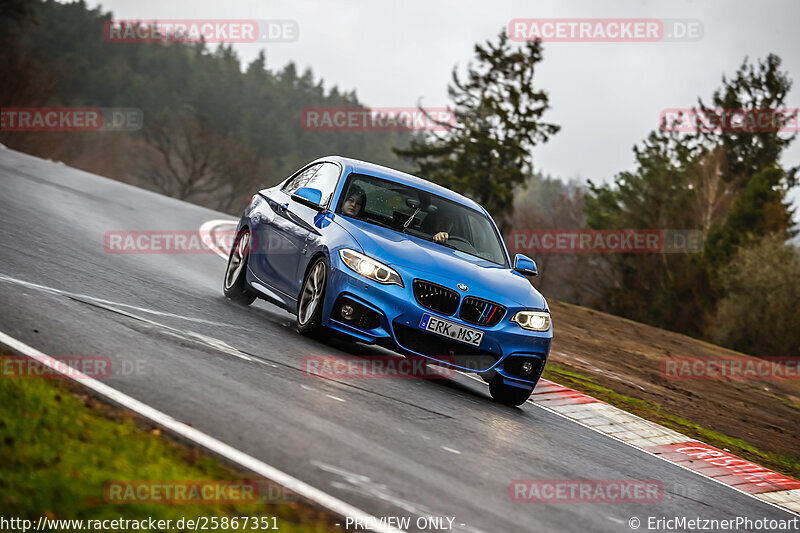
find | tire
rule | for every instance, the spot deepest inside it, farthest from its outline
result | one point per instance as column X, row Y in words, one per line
column 508, row 394
column 311, row 298
column 234, row 285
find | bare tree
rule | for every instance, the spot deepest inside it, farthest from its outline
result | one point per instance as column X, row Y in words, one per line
column 553, row 204
column 713, row 193
column 186, row 159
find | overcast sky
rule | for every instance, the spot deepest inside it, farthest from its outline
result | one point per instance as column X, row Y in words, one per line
column 606, row 96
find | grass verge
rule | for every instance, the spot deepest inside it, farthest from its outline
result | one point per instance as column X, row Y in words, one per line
column 59, row 448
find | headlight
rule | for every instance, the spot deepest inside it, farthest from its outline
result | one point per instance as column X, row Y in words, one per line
column 532, row 320
column 370, row 268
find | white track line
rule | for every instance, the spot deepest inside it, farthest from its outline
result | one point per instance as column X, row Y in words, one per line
column 53, row 290
column 206, row 441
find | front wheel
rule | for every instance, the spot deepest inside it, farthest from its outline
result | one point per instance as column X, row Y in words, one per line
column 508, row 394
column 235, row 288
column 312, row 296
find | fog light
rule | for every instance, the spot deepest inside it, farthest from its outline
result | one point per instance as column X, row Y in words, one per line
column 347, row 311
column 527, row 367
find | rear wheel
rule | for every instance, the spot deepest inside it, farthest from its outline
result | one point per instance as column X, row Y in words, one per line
column 508, row 394
column 312, row 296
column 235, row 288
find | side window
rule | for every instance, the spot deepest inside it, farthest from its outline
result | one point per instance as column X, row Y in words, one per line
column 301, row 180
column 325, row 180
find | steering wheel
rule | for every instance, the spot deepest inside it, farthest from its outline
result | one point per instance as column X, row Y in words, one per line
column 460, row 239
column 469, row 247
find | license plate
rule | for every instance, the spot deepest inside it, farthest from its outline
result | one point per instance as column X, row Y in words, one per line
column 451, row 330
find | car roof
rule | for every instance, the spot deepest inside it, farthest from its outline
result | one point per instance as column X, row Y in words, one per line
column 364, row 167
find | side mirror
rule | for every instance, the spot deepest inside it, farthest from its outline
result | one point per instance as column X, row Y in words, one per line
column 308, row 196
column 525, row 265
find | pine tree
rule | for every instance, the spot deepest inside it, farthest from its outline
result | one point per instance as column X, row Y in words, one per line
column 498, row 111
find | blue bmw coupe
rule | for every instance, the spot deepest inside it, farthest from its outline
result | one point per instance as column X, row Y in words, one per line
column 387, row 258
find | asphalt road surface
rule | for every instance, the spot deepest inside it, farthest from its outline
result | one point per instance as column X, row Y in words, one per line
column 391, row 447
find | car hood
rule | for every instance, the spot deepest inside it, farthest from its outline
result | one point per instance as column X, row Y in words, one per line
column 484, row 279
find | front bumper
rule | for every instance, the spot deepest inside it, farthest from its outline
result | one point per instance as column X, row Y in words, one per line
column 396, row 325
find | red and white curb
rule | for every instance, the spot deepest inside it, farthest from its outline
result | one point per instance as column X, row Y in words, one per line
column 670, row 445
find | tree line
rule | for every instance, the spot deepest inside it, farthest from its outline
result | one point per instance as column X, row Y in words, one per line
column 742, row 289
column 214, row 129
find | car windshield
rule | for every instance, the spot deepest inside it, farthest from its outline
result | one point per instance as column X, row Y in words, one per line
column 421, row 214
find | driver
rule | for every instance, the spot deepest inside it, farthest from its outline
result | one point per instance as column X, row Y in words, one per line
column 444, row 225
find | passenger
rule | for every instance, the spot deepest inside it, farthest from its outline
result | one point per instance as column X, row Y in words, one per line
column 355, row 201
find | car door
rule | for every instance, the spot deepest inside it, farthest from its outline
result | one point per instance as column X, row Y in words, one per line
column 283, row 237
column 292, row 225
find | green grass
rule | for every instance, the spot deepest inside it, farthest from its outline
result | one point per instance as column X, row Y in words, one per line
column 652, row 411
column 57, row 453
